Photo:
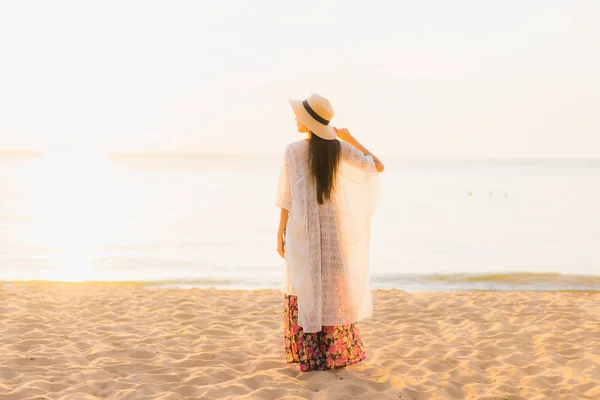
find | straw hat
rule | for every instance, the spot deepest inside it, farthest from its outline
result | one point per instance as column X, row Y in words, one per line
column 315, row 113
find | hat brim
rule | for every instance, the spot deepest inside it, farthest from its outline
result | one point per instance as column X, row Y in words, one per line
column 323, row 131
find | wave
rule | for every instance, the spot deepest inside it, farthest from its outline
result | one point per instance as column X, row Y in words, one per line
column 517, row 278
column 493, row 281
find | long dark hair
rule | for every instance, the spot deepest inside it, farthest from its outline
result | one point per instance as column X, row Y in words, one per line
column 324, row 157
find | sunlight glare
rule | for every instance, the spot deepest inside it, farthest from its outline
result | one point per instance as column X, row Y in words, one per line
column 73, row 216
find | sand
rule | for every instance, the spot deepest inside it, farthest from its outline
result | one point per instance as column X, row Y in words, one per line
column 119, row 341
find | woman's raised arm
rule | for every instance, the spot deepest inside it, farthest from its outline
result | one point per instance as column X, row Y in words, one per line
column 346, row 136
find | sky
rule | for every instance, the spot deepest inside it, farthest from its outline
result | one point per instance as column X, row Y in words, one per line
column 433, row 78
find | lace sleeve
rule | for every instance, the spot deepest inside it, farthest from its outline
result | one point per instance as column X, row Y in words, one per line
column 284, row 192
column 353, row 156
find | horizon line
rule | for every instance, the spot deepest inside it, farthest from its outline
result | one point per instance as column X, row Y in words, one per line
column 176, row 154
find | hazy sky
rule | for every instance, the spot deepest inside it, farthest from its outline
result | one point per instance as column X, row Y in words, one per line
column 420, row 78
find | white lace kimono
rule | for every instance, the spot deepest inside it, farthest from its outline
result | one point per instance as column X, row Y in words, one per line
column 327, row 246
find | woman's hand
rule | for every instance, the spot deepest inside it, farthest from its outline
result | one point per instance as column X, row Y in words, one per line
column 343, row 134
column 280, row 246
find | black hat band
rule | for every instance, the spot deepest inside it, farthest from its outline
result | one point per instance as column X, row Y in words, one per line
column 313, row 114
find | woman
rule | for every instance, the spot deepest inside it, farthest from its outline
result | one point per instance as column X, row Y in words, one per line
column 328, row 190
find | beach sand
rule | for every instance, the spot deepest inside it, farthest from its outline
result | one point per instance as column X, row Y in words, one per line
column 122, row 341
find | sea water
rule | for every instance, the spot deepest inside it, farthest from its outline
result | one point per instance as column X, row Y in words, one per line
column 211, row 221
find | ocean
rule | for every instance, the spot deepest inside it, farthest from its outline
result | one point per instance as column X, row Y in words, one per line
column 211, row 221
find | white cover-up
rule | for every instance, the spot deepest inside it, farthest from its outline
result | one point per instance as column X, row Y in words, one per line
column 327, row 246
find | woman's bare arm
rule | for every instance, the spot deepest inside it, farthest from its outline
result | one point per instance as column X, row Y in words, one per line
column 283, row 218
column 346, row 136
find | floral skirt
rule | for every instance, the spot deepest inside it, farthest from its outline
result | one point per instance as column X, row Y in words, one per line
column 332, row 347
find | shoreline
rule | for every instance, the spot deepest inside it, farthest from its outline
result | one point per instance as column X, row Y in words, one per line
column 414, row 283
column 154, row 286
